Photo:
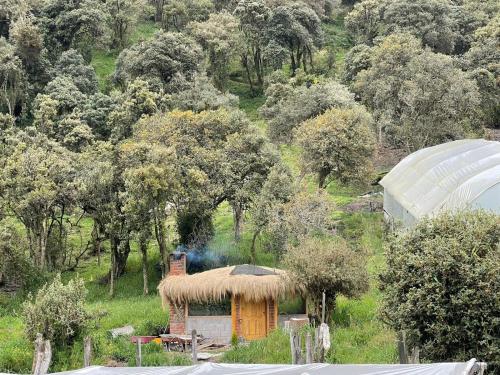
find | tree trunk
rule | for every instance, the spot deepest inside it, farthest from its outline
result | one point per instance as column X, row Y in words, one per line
column 144, row 252
column 162, row 246
column 159, row 11
column 244, row 62
column 253, row 251
column 238, row 221
column 112, row 271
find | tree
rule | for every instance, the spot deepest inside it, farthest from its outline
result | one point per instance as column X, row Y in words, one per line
column 13, row 82
column 418, row 98
column 301, row 216
column 328, row 266
column 27, row 38
column 338, row 144
column 246, row 174
column 220, row 37
column 123, row 17
column 63, row 90
column 178, row 13
column 71, row 64
column 57, row 311
column 168, row 61
column 219, row 155
column 296, row 29
column 358, row 58
column 77, row 24
column 287, row 106
column 151, row 184
column 364, row 21
column 481, row 60
column 100, row 193
column 254, row 17
column 137, row 101
column 430, row 21
column 276, row 190
column 201, row 96
column 440, row 286
column 36, row 186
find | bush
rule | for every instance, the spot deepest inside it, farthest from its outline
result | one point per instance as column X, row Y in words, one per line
column 331, row 266
column 57, row 312
column 441, row 286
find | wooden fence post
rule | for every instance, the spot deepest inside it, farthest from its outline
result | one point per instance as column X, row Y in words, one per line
column 138, row 357
column 292, row 347
column 309, row 357
column 42, row 356
column 194, row 343
column 402, row 350
column 87, row 351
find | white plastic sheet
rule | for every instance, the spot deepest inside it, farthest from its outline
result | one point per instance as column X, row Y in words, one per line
column 313, row 369
column 449, row 176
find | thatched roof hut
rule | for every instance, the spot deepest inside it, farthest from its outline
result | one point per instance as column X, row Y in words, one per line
column 254, row 283
column 253, row 292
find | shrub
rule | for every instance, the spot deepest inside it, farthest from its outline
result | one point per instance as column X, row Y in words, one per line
column 57, row 312
column 441, row 286
column 332, row 266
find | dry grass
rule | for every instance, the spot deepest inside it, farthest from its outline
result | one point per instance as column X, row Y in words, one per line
column 217, row 284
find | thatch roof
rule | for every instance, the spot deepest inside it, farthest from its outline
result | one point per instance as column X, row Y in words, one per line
column 219, row 283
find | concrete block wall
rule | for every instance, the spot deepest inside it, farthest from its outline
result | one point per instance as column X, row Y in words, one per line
column 217, row 328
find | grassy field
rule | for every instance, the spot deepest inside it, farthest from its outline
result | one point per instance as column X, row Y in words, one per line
column 357, row 335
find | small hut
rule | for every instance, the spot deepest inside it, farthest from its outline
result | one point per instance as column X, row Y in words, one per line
column 237, row 300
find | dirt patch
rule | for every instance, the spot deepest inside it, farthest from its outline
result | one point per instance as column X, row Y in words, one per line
column 387, row 157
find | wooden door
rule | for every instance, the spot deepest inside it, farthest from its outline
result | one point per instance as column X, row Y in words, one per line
column 253, row 319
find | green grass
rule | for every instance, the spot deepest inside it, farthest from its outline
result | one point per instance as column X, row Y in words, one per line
column 104, row 64
column 249, row 102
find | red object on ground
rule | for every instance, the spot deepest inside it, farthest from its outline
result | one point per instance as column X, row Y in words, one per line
column 144, row 339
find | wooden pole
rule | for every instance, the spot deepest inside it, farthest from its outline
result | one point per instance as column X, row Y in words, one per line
column 309, row 357
column 402, row 350
column 42, row 356
column 323, row 308
column 87, row 351
column 138, row 357
column 194, row 343
column 292, row 347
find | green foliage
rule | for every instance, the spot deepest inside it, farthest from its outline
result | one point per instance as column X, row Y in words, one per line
column 338, row 144
column 13, row 80
column 72, row 65
column 169, row 61
column 287, row 106
column 441, row 284
column 273, row 349
column 329, row 266
column 392, row 88
column 57, row 311
column 220, row 37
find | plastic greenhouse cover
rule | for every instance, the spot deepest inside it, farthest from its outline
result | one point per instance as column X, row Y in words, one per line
column 462, row 368
column 451, row 175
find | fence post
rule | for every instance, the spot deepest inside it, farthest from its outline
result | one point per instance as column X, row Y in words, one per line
column 309, row 357
column 402, row 350
column 138, row 357
column 292, row 347
column 194, row 343
column 87, row 351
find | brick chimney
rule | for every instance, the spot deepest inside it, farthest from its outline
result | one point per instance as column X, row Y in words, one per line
column 177, row 264
column 178, row 312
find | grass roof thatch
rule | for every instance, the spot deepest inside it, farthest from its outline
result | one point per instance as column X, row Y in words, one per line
column 217, row 284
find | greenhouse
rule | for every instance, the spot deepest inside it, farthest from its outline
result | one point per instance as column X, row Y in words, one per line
column 457, row 175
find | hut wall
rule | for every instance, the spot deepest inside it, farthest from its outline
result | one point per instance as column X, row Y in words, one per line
column 217, row 328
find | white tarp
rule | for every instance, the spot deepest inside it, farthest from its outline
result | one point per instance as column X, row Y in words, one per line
column 449, row 176
column 461, row 368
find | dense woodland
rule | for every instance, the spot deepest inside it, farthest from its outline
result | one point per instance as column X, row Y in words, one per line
column 243, row 131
